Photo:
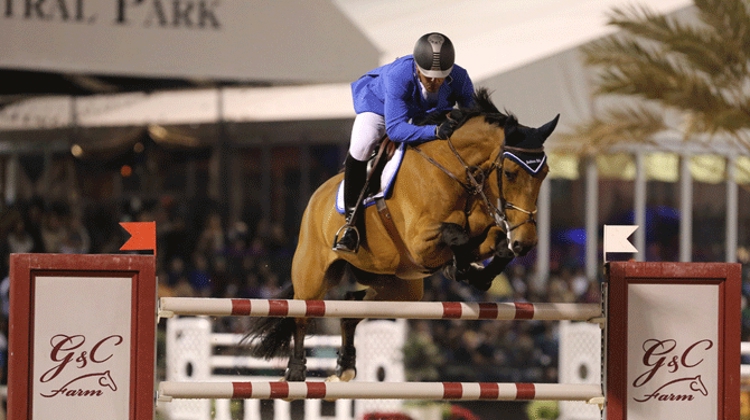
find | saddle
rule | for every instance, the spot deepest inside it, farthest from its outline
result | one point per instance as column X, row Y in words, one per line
column 381, row 174
column 382, row 170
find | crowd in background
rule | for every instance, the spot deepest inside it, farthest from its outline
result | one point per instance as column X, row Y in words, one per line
column 201, row 254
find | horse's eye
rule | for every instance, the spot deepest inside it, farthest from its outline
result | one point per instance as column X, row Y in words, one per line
column 510, row 175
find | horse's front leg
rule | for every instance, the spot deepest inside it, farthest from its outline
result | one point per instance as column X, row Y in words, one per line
column 465, row 252
column 296, row 370
column 496, row 244
column 457, row 239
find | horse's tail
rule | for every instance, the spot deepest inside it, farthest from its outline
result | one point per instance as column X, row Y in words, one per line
column 271, row 336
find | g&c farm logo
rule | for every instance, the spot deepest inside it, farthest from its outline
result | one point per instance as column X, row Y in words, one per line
column 80, row 366
column 671, row 374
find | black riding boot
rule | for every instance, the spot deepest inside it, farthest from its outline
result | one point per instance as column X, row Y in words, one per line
column 355, row 174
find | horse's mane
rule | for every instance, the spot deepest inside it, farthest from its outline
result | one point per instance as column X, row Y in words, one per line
column 482, row 105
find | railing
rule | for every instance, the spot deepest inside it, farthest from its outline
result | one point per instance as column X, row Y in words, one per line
column 195, row 353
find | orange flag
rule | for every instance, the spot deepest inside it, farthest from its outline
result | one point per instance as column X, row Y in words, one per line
column 142, row 236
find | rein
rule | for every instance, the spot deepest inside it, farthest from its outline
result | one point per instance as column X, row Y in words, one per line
column 476, row 180
column 475, row 186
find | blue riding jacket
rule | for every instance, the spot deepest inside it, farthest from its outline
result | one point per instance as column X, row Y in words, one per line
column 393, row 91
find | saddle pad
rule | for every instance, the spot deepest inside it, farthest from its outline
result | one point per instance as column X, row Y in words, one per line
column 387, row 179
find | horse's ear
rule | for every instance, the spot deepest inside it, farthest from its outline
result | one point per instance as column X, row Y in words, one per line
column 547, row 129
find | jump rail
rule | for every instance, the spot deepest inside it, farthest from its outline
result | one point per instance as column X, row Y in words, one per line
column 445, row 391
column 508, row 311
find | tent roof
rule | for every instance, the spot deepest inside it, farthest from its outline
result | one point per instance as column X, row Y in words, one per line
column 490, row 37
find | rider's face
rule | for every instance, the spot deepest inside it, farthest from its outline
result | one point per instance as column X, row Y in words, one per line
column 432, row 84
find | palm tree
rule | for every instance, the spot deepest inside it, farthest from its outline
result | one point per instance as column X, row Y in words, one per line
column 667, row 70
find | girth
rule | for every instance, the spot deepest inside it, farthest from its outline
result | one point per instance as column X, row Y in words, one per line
column 406, row 263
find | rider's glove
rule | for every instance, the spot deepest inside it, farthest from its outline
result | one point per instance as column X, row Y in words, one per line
column 445, row 129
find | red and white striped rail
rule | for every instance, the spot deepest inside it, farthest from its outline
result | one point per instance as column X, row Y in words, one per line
column 435, row 391
column 386, row 310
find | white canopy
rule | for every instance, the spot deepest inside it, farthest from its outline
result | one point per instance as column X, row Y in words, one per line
column 525, row 51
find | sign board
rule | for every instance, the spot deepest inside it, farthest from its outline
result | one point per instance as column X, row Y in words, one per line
column 82, row 337
column 673, row 341
column 282, row 41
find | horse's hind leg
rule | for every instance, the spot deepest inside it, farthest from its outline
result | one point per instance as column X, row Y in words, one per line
column 346, row 364
column 309, row 286
column 296, row 370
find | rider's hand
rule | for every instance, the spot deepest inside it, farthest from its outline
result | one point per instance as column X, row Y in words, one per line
column 445, row 129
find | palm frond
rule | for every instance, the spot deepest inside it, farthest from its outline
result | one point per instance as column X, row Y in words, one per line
column 649, row 76
column 668, row 36
column 653, row 40
column 701, row 69
column 729, row 20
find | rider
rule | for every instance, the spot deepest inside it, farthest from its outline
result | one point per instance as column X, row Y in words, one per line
column 387, row 100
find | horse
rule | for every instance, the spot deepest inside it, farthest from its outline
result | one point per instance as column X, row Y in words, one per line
column 454, row 204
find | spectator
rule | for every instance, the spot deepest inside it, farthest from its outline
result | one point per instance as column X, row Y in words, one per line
column 199, row 276
column 55, row 227
column 176, row 271
column 33, row 221
column 19, row 240
column 211, row 240
column 77, row 240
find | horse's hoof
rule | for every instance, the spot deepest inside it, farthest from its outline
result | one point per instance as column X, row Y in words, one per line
column 332, row 378
column 348, row 375
column 483, row 287
column 451, row 272
column 283, row 379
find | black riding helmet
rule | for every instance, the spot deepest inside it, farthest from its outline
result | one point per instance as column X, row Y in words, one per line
column 434, row 55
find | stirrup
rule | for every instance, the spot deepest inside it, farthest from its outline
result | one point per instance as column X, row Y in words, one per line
column 340, row 247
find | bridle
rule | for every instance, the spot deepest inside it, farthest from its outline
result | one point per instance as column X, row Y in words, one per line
column 475, row 185
column 504, row 204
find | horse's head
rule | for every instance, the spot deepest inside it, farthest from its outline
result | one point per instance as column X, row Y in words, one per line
column 523, row 168
column 512, row 153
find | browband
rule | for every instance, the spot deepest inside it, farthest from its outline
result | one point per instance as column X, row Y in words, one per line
column 531, row 160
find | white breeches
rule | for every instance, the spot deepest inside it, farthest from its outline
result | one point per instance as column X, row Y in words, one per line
column 368, row 128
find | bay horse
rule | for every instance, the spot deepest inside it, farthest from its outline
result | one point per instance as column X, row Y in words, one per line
column 454, row 203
